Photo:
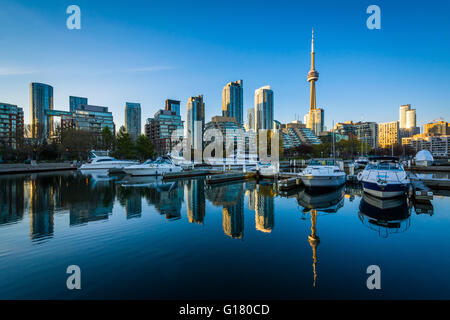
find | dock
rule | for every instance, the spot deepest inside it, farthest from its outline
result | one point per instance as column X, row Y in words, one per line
column 190, row 174
column 18, row 168
column 420, row 190
column 229, row 176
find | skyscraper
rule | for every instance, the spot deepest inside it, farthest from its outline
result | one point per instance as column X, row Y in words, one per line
column 75, row 102
column 314, row 120
column 133, row 119
column 411, row 119
column 263, row 108
column 233, row 101
column 402, row 115
column 41, row 100
column 195, row 114
column 388, row 134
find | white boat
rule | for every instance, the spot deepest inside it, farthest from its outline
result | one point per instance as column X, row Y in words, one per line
column 268, row 169
column 384, row 177
column 322, row 173
column 106, row 163
column 160, row 166
column 361, row 162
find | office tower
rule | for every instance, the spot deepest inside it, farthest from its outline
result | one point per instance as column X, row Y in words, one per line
column 315, row 118
column 251, row 119
column 75, row 102
column 165, row 130
column 388, row 134
column 367, row 132
column 173, row 105
column 263, row 108
column 233, row 101
column 410, row 118
column 93, row 119
column 133, row 119
column 11, row 125
column 195, row 122
column 402, row 115
column 41, row 101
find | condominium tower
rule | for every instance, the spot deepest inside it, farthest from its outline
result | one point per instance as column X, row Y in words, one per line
column 133, row 119
column 233, row 101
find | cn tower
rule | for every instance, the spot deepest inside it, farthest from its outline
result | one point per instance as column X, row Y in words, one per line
column 313, row 76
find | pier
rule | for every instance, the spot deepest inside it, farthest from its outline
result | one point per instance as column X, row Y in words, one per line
column 34, row 167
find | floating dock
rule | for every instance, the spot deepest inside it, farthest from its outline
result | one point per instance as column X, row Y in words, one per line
column 229, row 176
column 420, row 190
column 35, row 167
column 190, row 174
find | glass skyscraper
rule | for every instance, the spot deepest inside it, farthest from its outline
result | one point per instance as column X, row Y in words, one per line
column 263, row 108
column 173, row 105
column 233, row 101
column 41, row 100
column 195, row 113
column 133, row 119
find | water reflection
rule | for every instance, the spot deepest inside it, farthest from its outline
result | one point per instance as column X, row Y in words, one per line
column 385, row 216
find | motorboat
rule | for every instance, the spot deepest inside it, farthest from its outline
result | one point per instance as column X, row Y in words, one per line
column 322, row 173
column 384, row 177
column 361, row 162
column 160, row 166
column 106, row 163
column 268, row 169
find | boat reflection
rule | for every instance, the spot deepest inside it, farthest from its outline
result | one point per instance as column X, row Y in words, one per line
column 386, row 216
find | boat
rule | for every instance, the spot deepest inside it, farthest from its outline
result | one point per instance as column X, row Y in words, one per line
column 322, row 173
column 361, row 162
column 384, row 177
column 106, row 163
column 269, row 169
column 160, row 166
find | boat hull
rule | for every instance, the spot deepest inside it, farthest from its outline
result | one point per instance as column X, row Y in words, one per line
column 311, row 181
column 390, row 190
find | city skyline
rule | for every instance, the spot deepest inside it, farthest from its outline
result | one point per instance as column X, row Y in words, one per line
column 378, row 60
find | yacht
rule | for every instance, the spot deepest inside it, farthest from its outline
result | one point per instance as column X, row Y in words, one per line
column 160, row 166
column 384, row 177
column 361, row 162
column 106, row 163
column 268, row 169
column 322, row 173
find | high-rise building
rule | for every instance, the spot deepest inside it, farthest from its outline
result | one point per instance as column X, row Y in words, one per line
column 93, row 119
column 11, row 125
column 133, row 119
column 367, row 132
column 164, row 130
column 402, row 115
column 173, row 105
column 388, row 134
column 315, row 118
column 41, row 101
column 263, row 108
column 251, row 119
column 75, row 102
column 411, row 119
column 195, row 122
column 233, row 101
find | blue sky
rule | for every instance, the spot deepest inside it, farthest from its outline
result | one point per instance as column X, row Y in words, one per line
column 148, row 51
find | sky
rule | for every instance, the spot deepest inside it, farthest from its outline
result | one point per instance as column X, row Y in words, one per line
column 149, row 51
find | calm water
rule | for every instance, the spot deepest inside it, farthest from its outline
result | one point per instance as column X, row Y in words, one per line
column 144, row 238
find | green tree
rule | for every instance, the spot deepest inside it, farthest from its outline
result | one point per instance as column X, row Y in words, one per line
column 124, row 144
column 144, row 147
column 107, row 138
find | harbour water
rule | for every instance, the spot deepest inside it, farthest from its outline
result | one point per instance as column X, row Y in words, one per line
column 143, row 238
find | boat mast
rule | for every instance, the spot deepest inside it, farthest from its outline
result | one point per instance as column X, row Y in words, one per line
column 334, row 147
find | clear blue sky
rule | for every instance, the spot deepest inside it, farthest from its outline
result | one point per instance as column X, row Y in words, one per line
column 147, row 51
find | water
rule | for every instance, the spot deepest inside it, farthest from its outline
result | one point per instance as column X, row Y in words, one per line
column 144, row 238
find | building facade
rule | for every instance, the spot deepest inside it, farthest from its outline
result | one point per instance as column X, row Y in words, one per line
column 367, row 132
column 439, row 146
column 160, row 130
column 173, row 105
column 233, row 101
column 75, row 102
column 437, row 128
column 11, row 125
column 263, row 108
column 195, row 122
column 388, row 134
column 41, row 101
column 133, row 119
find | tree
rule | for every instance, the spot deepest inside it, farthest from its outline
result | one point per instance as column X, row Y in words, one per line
column 144, row 147
column 124, row 144
column 107, row 138
column 76, row 143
